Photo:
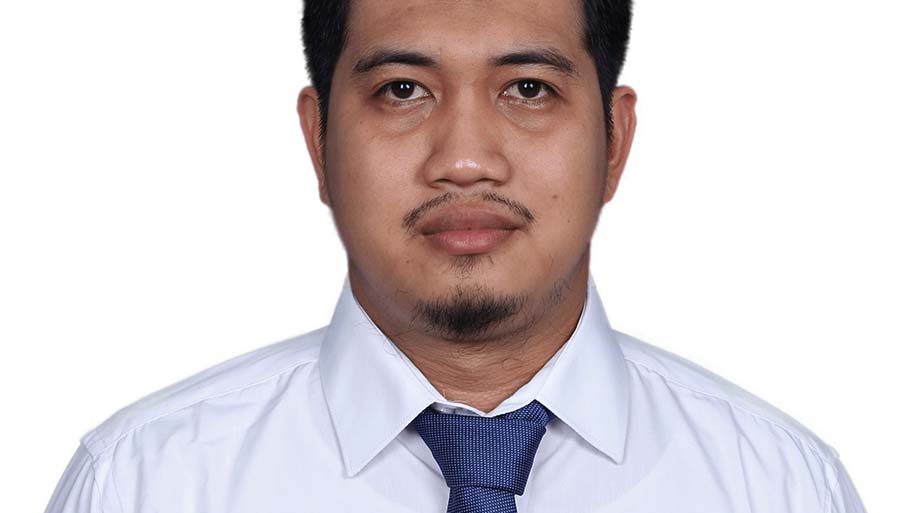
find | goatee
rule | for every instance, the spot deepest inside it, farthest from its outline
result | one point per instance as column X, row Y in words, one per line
column 468, row 313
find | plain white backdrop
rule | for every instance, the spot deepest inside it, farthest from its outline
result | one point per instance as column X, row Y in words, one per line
column 159, row 214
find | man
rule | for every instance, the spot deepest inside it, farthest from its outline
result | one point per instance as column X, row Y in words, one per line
column 465, row 149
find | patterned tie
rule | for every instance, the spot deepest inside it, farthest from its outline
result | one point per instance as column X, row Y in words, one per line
column 485, row 460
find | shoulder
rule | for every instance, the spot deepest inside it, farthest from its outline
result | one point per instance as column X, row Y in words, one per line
column 696, row 387
column 240, row 373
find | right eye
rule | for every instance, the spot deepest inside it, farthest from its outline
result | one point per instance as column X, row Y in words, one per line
column 401, row 91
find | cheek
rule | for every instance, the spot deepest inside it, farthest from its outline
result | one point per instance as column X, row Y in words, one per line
column 563, row 178
column 565, row 173
column 372, row 156
column 371, row 183
column 570, row 213
column 398, row 122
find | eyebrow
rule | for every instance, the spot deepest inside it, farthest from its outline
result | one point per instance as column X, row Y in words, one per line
column 541, row 56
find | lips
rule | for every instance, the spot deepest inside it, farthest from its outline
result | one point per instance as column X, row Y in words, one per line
column 468, row 230
column 465, row 219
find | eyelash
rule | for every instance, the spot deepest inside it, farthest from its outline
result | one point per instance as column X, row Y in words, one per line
column 385, row 88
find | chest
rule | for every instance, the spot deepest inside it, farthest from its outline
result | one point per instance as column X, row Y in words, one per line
column 568, row 477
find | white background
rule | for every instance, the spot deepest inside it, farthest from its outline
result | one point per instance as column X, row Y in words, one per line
column 158, row 212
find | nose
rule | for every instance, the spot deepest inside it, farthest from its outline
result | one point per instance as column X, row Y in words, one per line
column 467, row 147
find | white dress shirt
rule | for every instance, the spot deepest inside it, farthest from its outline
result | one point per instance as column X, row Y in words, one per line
column 322, row 423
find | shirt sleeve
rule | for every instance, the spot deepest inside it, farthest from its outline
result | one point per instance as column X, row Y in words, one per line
column 845, row 497
column 77, row 490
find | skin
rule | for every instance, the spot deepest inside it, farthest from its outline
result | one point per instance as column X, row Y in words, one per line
column 466, row 130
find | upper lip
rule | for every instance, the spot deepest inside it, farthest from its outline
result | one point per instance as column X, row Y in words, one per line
column 466, row 218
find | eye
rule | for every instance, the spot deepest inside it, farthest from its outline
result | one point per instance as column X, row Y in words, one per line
column 401, row 91
column 529, row 91
column 406, row 91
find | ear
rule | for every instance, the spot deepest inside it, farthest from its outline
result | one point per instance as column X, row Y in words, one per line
column 623, row 113
column 309, row 116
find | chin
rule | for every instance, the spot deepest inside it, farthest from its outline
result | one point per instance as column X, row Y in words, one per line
column 468, row 311
column 463, row 276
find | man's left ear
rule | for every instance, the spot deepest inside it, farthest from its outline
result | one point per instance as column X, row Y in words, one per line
column 623, row 113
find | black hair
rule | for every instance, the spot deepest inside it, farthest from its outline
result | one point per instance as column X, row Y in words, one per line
column 606, row 35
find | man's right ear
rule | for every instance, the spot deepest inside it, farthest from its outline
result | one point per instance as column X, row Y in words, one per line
column 309, row 116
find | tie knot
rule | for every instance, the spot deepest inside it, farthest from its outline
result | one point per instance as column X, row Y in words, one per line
column 488, row 452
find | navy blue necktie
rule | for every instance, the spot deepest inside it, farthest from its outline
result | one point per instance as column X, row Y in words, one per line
column 485, row 460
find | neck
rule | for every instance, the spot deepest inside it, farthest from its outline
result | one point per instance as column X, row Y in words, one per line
column 484, row 373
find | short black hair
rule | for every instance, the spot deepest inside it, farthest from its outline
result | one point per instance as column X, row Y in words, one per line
column 324, row 32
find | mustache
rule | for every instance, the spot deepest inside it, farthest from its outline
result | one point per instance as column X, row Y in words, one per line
column 410, row 220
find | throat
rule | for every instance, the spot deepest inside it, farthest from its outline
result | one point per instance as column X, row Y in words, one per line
column 484, row 374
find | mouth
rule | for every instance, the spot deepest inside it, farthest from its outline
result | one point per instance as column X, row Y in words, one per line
column 468, row 231
column 470, row 242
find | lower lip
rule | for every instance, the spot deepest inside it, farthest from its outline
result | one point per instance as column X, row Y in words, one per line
column 470, row 242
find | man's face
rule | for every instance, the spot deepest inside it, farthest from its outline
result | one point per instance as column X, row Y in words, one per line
column 465, row 190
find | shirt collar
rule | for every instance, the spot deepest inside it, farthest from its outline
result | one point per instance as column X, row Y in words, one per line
column 374, row 391
column 588, row 388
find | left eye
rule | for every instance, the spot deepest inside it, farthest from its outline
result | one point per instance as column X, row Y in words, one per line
column 529, row 90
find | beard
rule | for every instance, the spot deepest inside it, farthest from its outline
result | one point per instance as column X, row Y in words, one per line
column 469, row 313
column 472, row 311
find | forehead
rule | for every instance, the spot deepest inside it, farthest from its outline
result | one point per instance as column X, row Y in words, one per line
column 464, row 28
